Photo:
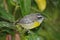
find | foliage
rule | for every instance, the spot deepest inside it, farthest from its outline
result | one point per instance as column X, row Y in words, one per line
column 13, row 10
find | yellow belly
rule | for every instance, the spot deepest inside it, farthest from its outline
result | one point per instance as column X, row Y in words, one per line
column 30, row 26
column 36, row 24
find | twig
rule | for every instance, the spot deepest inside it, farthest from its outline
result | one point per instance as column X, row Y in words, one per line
column 16, row 7
column 14, row 10
column 6, row 6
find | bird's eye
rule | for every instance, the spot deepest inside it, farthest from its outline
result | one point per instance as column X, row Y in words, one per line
column 39, row 17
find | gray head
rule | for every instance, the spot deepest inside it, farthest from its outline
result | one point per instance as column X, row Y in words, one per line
column 40, row 18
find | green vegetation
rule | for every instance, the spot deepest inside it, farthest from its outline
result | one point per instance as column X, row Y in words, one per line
column 11, row 11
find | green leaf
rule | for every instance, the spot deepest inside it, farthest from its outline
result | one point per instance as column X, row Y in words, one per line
column 1, row 3
column 4, row 24
column 6, row 16
column 25, row 6
column 34, row 37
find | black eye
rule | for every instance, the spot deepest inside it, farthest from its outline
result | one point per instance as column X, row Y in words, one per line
column 39, row 17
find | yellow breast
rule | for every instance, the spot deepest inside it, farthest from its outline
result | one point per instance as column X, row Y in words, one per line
column 36, row 24
column 31, row 25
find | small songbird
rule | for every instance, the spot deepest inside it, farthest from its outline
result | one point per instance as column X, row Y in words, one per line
column 31, row 21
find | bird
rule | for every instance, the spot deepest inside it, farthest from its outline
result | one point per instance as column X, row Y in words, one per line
column 31, row 21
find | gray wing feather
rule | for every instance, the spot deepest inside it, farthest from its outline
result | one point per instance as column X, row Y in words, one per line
column 28, row 18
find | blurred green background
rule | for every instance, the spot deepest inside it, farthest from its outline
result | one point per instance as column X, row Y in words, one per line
column 12, row 10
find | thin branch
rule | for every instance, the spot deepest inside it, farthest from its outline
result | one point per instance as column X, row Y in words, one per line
column 6, row 6
column 16, row 7
column 14, row 10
